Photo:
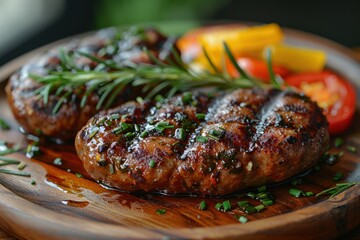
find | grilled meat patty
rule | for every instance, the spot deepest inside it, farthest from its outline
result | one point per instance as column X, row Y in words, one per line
column 193, row 143
column 37, row 118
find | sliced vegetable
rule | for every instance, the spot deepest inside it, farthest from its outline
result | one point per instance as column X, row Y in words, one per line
column 241, row 38
column 256, row 68
column 298, row 59
column 335, row 95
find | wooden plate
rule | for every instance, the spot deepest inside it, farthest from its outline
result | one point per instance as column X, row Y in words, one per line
column 62, row 205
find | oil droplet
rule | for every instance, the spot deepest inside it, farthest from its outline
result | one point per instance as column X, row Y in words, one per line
column 71, row 203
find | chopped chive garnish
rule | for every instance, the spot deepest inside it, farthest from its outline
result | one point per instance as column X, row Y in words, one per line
column 309, row 194
column 180, row 134
column 33, row 182
column 186, row 97
column 144, row 134
column 137, row 127
column 243, row 219
column 152, row 163
column 200, row 116
column 259, row 208
column 201, row 139
column 161, row 126
column 108, row 123
column 216, row 133
column 21, row 166
column 140, row 100
column 57, row 161
column 267, row 202
column 249, row 209
column 130, row 135
column 338, row 142
column 4, row 125
column 78, row 175
column 351, row 149
column 218, row 206
column 17, row 173
column 100, row 122
column 202, row 205
column 32, row 150
column 262, row 188
column 226, row 205
column 338, row 176
column 161, row 211
column 243, row 203
column 93, row 132
column 261, row 195
column 295, row 192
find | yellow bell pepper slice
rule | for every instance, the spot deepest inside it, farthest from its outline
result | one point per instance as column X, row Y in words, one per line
column 248, row 40
column 243, row 39
column 298, row 59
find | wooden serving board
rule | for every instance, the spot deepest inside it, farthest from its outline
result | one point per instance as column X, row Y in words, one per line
column 62, row 205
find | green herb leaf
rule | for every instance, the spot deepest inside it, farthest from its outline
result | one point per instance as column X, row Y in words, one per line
column 4, row 125
column 17, row 173
column 161, row 211
column 202, row 205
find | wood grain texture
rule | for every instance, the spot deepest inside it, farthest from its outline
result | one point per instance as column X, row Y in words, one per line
column 62, row 205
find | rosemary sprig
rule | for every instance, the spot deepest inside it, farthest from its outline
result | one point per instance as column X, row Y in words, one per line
column 16, row 173
column 170, row 76
column 338, row 188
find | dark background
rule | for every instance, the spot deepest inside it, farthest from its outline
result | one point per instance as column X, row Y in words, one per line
column 336, row 20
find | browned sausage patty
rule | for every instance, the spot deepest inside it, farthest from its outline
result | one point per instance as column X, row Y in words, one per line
column 36, row 118
column 196, row 144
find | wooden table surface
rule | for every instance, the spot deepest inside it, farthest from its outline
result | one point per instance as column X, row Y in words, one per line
column 352, row 235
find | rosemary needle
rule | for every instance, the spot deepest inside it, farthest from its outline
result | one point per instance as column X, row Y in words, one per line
column 17, row 173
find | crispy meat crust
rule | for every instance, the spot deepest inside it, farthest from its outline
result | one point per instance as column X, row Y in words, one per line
column 252, row 137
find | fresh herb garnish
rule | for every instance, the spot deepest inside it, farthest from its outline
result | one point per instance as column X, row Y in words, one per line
column 201, row 139
column 259, row 208
column 161, row 211
column 295, row 192
column 338, row 142
column 173, row 77
column 152, row 163
column 78, row 175
column 351, row 149
column 21, row 166
column 4, row 125
column 242, row 219
column 202, row 205
column 338, row 188
column 32, row 150
column 57, row 161
column 17, row 173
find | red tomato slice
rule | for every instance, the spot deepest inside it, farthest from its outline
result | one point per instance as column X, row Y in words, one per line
column 335, row 95
column 256, row 68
